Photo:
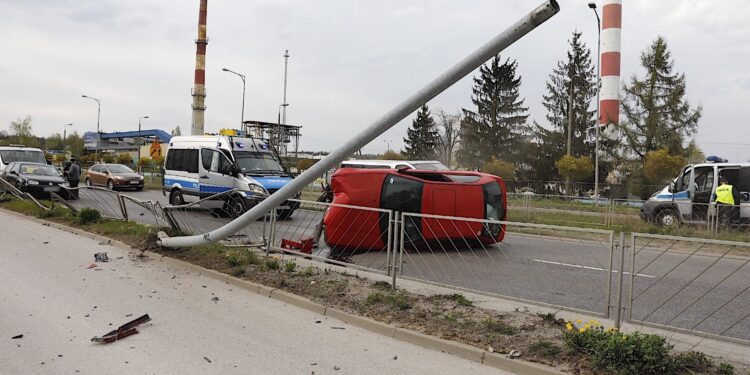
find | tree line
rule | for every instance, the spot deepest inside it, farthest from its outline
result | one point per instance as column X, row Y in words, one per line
column 495, row 135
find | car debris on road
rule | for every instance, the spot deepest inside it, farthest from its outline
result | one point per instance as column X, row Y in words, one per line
column 101, row 257
column 123, row 331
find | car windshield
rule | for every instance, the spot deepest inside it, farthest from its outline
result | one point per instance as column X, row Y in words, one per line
column 39, row 170
column 256, row 162
column 118, row 168
column 33, row 156
column 431, row 166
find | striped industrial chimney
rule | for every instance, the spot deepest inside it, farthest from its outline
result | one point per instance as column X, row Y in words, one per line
column 199, row 88
column 609, row 99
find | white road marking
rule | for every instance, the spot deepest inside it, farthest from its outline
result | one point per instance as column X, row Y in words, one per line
column 589, row 267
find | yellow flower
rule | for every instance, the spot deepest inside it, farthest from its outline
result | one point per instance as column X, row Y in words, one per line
column 581, row 330
column 624, row 337
column 586, row 326
column 569, row 327
column 579, row 321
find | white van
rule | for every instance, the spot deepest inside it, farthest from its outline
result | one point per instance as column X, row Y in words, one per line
column 427, row 165
column 9, row 154
column 205, row 165
column 688, row 198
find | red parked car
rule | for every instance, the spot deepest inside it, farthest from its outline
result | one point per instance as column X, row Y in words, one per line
column 447, row 193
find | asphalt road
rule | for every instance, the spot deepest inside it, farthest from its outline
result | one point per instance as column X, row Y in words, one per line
column 50, row 297
column 559, row 268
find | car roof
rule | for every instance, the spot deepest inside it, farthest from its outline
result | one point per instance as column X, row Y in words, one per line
column 420, row 174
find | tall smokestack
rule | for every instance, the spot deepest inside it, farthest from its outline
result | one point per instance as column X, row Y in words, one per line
column 199, row 87
column 609, row 100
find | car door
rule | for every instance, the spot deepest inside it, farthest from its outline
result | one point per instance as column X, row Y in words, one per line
column 11, row 173
column 743, row 184
column 703, row 187
column 682, row 194
column 215, row 173
column 99, row 177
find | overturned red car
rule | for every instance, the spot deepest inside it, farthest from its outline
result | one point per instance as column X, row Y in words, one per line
column 431, row 193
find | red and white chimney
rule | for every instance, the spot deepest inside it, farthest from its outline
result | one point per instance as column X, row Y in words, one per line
column 609, row 97
column 199, row 87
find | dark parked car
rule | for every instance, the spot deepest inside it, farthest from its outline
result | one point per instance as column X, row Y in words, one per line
column 113, row 176
column 36, row 179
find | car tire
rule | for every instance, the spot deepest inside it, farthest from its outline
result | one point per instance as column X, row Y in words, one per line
column 176, row 198
column 668, row 218
column 235, row 206
column 110, row 185
column 139, row 188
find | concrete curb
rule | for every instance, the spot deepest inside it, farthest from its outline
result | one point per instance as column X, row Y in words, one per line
column 457, row 349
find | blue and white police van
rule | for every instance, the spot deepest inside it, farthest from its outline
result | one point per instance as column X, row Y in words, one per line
column 202, row 166
column 688, row 197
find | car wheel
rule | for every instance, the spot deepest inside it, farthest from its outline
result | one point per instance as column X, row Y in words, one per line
column 667, row 218
column 235, row 206
column 175, row 198
column 110, row 185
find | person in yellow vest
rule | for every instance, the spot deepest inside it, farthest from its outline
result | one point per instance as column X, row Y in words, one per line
column 727, row 199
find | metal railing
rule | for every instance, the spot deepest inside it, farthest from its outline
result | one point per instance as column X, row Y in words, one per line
column 696, row 286
column 538, row 263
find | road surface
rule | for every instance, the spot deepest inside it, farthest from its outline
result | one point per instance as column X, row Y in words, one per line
column 50, row 297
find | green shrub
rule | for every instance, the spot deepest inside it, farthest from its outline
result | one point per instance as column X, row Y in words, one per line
column 241, row 257
column 238, row 271
column 375, row 297
column 461, row 300
column 290, row 266
column 309, row 271
column 399, row 302
column 271, row 264
column 498, row 326
column 88, row 216
column 726, row 369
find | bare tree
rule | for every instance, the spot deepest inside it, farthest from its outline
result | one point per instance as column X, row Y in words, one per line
column 449, row 126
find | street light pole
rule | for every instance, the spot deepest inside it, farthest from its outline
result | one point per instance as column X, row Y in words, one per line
column 138, row 162
column 592, row 5
column 242, row 77
column 284, row 103
column 98, row 114
column 65, row 136
column 388, row 142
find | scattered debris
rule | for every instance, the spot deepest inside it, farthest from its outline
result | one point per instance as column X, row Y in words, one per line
column 174, row 277
column 92, row 265
column 128, row 315
column 304, row 246
column 514, row 354
column 314, row 364
column 107, row 242
column 338, row 328
column 395, row 357
column 141, row 214
column 45, row 242
column 123, row 331
column 207, row 360
column 215, row 299
column 17, row 336
column 491, row 349
column 317, row 322
column 101, row 257
column 336, row 368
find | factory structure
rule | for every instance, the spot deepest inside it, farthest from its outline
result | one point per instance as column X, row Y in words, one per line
column 609, row 99
column 199, row 82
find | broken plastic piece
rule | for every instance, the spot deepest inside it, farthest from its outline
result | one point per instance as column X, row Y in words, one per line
column 92, row 265
column 17, row 336
column 101, row 257
column 123, row 331
column 304, row 246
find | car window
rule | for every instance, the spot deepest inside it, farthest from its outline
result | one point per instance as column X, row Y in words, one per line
column 118, row 168
column 401, row 194
column 743, row 183
column 183, row 160
column 206, row 158
column 684, row 182
column 704, row 179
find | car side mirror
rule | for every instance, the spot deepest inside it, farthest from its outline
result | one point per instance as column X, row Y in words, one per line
column 671, row 188
column 14, row 172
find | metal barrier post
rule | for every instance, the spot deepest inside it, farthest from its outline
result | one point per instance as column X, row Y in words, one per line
column 618, row 310
column 608, row 301
column 124, row 210
column 272, row 234
column 398, row 227
column 632, row 277
column 389, row 247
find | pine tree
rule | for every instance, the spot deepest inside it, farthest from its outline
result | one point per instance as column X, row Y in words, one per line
column 496, row 128
column 552, row 140
column 176, row 131
column 656, row 114
column 422, row 139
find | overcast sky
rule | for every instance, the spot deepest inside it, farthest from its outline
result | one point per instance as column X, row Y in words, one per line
column 351, row 61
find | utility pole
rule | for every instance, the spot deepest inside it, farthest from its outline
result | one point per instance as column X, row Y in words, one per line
column 65, row 136
column 568, row 184
column 592, row 5
column 284, row 103
column 98, row 115
column 138, row 162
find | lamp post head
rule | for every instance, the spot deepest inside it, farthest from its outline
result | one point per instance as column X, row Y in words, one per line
column 225, row 69
column 592, row 5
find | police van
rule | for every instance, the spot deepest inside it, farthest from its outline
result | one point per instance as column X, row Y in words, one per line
column 689, row 197
column 202, row 166
column 12, row 153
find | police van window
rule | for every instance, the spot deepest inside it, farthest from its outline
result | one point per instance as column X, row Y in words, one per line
column 183, row 160
column 743, row 183
column 206, row 158
column 192, row 160
column 172, row 157
column 704, row 179
column 684, row 182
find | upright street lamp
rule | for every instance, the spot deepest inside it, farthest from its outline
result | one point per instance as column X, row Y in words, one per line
column 279, row 130
column 98, row 114
column 65, row 136
column 592, row 5
column 388, row 142
column 242, row 77
column 138, row 162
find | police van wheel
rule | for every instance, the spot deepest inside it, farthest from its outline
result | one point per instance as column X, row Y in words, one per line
column 175, row 198
column 235, row 206
column 667, row 219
